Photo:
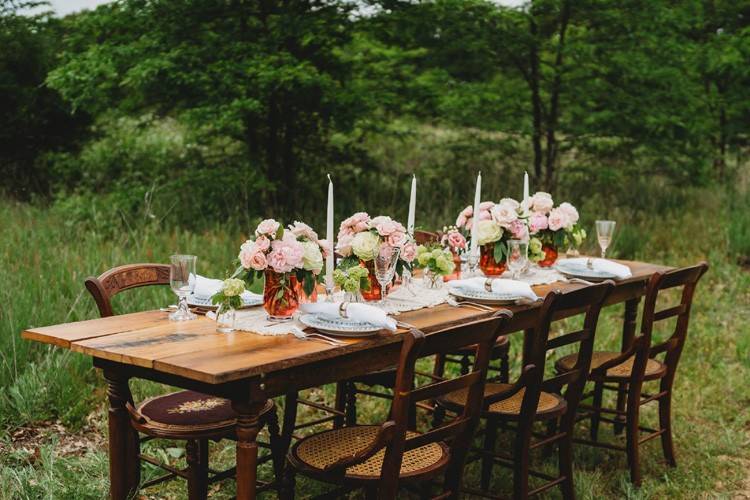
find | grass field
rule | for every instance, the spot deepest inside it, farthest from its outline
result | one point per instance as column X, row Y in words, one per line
column 52, row 415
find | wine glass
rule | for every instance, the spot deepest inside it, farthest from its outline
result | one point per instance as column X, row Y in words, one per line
column 604, row 231
column 385, row 267
column 182, row 282
column 518, row 256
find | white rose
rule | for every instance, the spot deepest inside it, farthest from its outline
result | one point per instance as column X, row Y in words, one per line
column 511, row 203
column 541, row 202
column 365, row 245
column 504, row 214
column 312, row 259
column 488, row 232
column 558, row 219
column 570, row 212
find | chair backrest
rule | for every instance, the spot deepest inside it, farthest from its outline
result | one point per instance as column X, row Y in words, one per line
column 393, row 433
column 557, row 305
column 120, row 278
column 425, row 237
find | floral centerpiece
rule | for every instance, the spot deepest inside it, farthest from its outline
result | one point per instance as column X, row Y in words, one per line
column 436, row 262
column 454, row 240
column 359, row 241
column 352, row 281
column 290, row 261
column 496, row 224
column 551, row 229
column 228, row 299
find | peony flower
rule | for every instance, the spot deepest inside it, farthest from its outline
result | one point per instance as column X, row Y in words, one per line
column 233, row 287
column 286, row 255
column 558, row 219
column 409, row 251
column 256, row 260
column 570, row 213
column 537, row 222
column 325, row 245
column 302, row 230
column 519, row 230
column 355, row 224
column 262, row 243
column 456, row 240
column 312, row 258
column 488, row 231
column 268, row 227
column 504, row 214
column 384, row 225
column 365, row 245
column 511, row 203
column 541, row 202
column 396, row 239
column 464, row 216
column 344, row 244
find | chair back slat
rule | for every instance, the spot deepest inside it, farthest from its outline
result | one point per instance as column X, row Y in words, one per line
column 669, row 313
column 554, row 384
column 431, row 391
column 121, row 278
column 568, row 338
column 441, row 433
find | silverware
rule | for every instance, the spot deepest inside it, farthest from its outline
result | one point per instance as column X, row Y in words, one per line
column 580, row 281
column 451, row 301
column 302, row 335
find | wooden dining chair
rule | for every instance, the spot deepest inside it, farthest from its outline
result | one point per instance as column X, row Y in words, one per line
column 426, row 237
column 638, row 364
column 184, row 415
column 534, row 398
column 380, row 458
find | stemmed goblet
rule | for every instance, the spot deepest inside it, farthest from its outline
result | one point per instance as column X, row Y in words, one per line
column 604, row 231
column 385, row 267
column 182, row 282
column 518, row 257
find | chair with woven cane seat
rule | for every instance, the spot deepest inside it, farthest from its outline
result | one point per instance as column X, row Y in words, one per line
column 183, row 415
column 638, row 364
column 534, row 398
column 381, row 458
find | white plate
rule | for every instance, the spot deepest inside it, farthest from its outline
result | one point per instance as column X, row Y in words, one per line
column 205, row 303
column 339, row 326
column 485, row 297
column 581, row 270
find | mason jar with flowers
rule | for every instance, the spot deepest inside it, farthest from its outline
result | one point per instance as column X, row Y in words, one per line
column 436, row 262
column 352, row 281
column 454, row 241
column 359, row 241
column 228, row 299
column 551, row 229
column 289, row 261
column 506, row 222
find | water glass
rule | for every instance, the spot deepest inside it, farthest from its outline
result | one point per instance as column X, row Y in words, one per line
column 518, row 257
column 385, row 267
column 182, row 282
column 604, row 231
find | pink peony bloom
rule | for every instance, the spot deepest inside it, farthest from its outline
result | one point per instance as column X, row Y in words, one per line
column 268, row 227
column 262, row 243
column 558, row 219
column 456, row 240
column 486, row 205
column 286, row 255
column 518, row 230
column 384, row 225
column 302, row 230
column 464, row 216
column 325, row 247
column 344, row 244
column 504, row 214
column 258, row 261
column 537, row 222
column 541, row 202
column 570, row 212
column 409, row 252
column 396, row 239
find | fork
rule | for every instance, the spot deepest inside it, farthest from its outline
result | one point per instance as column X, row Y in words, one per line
column 461, row 303
column 302, row 335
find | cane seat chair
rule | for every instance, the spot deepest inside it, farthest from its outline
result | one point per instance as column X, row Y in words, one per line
column 183, row 415
column 534, row 398
column 637, row 364
column 380, row 458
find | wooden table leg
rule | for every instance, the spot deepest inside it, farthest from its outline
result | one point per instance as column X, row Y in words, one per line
column 629, row 325
column 248, row 426
column 124, row 464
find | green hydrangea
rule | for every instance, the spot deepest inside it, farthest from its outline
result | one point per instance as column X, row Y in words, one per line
column 233, row 287
column 352, row 279
column 436, row 259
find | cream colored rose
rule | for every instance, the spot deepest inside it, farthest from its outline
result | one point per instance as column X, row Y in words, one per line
column 365, row 245
column 312, row 259
column 541, row 202
column 488, row 232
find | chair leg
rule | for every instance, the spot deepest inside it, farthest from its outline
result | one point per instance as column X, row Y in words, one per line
column 278, row 448
column 505, row 365
column 438, row 416
column 340, row 404
column 287, row 483
column 351, row 404
column 632, row 435
column 197, row 462
column 665, row 424
column 490, row 440
column 521, row 459
column 565, row 457
column 622, row 392
column 596, row 412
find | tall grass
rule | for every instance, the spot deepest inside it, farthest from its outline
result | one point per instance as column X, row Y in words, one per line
column 43, row 262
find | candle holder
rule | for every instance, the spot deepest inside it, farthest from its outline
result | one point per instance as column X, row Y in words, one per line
column 407, row 281
column 472, row 260
column 329, row 293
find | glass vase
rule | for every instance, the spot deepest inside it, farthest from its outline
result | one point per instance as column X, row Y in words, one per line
column 226, row 316
column 487, row 262
column 456, row 274
column 374, row 292
column 432, row 280
column 280, row 299
column 304, row 298
column 353, row 297
column 550, row 256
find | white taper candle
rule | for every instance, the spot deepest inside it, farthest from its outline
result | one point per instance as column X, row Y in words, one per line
column 329, row 235
column 412, row 206
column 526, row 189
column 475, row 214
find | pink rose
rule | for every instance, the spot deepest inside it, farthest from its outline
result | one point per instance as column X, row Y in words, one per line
column 518, row 230
column 268, row 227
column 302, row 230
column 355, row 224
column 262, row 243
column 344, row 244
column 325, row 247
column 557, row 219
column 504, row 214
column 456, row 240
column 464, row 216
column 385, row 227
column 397, row 238
column 258, row 261
column 537, row 222
column 486, row 205
column 286, row 254
column 409, row 252
column 570, row 212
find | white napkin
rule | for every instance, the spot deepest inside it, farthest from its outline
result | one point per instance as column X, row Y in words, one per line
column 205, row 288
column 356, row 312
column 620, row 271
column 499, row 285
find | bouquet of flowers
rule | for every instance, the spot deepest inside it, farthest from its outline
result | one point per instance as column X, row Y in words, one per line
column 295, row 251
column 506, row 222
column 351, row 280
column 435, row 259
column 230, row 294
column 360, row 237
column 453, row 240
column 465, row 219
column 552, row 228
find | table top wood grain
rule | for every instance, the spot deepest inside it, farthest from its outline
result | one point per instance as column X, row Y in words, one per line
column 194, row 349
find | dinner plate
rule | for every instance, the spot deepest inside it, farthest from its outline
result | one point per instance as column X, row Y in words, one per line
column 340, row 327
column 484, row 297
column 581, row 270
column 205, row 303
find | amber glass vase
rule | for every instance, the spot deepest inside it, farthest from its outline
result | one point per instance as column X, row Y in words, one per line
column 487, row 262
column 302, row 297
column 282, row 305
column 550, row 256
column 456, row 274
column 374, row 292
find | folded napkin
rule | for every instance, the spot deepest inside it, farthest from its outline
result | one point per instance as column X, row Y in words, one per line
column 501, row 286
column 620, row 271
column 356, row 312
column 205, row 288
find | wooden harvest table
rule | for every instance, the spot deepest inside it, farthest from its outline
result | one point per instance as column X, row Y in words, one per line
column 248, row 368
